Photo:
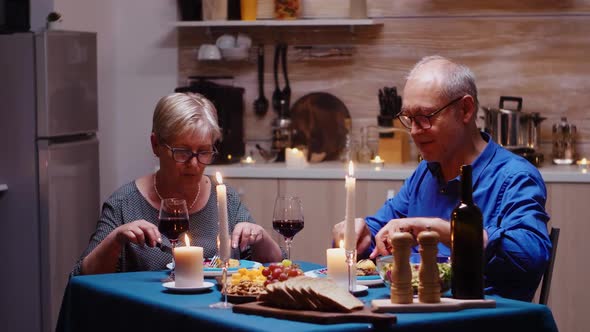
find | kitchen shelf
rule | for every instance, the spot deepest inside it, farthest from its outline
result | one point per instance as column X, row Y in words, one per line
column 278, row 23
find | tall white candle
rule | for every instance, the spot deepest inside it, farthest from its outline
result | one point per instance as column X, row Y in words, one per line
column 337, row 268
column 349, row 233
column 188, row 265
column 224, row 240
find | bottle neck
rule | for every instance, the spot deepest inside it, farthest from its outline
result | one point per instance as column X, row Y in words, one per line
column 466, row 184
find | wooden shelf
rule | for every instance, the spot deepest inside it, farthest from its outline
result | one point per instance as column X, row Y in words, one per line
column 278, row 23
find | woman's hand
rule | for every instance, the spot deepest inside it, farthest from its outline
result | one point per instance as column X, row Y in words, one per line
column 139, row 232
column 247, row 234
column 363, row 234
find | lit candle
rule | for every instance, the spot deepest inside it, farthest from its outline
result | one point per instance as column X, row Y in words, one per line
column 188, row 265
column 378, row 163
column 337, row 268
column 583, row 164
column 295, row 158
column 224, row 240
column 248, row 161
column 349, row 233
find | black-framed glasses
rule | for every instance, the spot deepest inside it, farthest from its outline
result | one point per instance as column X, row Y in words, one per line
column 423, row 121
column 181, row 155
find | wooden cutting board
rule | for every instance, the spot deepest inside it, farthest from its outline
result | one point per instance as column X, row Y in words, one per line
column 318, row 317
column 446, row 304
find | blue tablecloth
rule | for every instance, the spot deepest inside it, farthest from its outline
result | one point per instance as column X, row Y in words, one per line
column 138, row 302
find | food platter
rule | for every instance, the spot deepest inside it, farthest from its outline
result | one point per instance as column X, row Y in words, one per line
column 215, row 271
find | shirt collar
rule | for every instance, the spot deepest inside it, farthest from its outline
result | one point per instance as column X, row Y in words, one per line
column 478, row 164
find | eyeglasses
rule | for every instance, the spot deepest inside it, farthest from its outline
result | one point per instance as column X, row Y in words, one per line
column 181, row 155
column 423, row 121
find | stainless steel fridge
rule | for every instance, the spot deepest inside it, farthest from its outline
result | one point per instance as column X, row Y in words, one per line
column 49, row 179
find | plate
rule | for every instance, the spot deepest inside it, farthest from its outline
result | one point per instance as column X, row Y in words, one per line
column 215, row 271
column 372, row 280
column 359, row 289
column 171, row 286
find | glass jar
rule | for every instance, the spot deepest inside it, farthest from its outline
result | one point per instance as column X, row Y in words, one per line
column 564, row 141
column 287, row 9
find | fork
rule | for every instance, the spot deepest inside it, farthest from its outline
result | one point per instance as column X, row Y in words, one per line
column 215, row 261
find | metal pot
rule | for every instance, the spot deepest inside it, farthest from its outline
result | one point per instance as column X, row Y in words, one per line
column 512, row 128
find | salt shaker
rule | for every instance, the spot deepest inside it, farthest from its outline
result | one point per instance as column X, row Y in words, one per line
column 401, row 274
column 428, row 276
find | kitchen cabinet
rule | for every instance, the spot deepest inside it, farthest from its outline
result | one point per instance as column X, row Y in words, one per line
column 568, row 207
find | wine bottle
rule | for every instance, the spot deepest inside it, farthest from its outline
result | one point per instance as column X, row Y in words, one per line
column 466, row 243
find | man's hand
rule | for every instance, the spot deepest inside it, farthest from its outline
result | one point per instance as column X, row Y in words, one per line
column 413, row 226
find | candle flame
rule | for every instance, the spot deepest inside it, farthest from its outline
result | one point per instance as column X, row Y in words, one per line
column 341, row 244
column 219, row 178
column 583, row 161
column 295, row 150
column 351, row 169
column 249, row 159
column 187, row 240
column 378, row 159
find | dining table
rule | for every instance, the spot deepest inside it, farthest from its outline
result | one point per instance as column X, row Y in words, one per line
column 137, row 301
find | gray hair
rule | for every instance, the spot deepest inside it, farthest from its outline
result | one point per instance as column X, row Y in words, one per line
column 181, row 113
column 458, row 79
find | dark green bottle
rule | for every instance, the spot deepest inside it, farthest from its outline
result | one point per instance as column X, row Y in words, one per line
column 467, row 243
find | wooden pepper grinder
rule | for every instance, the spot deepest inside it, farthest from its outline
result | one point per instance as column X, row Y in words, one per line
column 401, row 274
column 429, row 276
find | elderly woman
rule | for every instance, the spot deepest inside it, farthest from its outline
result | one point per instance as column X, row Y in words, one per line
column 127, row 238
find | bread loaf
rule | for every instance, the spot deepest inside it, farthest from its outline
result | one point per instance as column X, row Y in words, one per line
column 306, row 293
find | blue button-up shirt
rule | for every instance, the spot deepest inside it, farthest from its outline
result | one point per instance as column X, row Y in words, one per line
column 511, row 195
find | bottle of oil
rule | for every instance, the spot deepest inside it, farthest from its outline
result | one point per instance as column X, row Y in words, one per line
column 466, row 243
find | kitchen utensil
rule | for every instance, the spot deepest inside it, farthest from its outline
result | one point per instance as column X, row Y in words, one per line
column 261, row 104
column 268, row 156
column 286, row 93
column 276, row 95
column 564, row 138
column 512, row 128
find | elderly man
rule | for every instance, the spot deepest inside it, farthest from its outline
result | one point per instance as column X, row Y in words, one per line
column 439, row 108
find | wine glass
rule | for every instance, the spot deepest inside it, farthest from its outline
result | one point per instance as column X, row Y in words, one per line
column 287, row 218
column 173, row 221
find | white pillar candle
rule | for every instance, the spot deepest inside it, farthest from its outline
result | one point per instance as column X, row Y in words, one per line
column 188, row 265
column 349, row 232
column 337, row 268
column 224, row 240
column 295, row 158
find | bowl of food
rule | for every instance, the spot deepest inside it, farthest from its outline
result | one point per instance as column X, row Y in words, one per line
column 385, row 266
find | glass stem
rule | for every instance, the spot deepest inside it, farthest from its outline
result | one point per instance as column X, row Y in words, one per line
column 172, row 274
column 224, row 280
column 288, row 241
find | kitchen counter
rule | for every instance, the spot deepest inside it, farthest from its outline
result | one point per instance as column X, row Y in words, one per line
column 337, row 170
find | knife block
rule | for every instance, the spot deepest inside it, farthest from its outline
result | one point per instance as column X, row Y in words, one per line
column 396, row 149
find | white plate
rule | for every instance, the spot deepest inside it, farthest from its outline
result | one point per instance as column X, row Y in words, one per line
column 171, row 286
column 362, row 280
column 360, row 289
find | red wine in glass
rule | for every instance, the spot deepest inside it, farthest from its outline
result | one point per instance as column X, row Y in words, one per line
column 287, row 218
column 172, row 227
column 287, row 228
column 173, row 221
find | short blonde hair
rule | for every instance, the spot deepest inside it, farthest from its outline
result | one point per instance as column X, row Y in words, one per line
column 180, row 113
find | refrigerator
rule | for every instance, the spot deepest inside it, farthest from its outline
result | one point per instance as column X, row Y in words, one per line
column 49, row 178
